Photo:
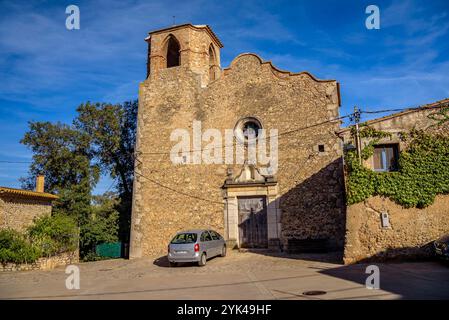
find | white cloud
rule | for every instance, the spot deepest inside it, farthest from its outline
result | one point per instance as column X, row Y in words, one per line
column 53, row 69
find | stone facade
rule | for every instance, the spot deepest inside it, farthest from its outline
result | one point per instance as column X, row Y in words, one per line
column 304, row 200
column 410, row 234
column 18, row 208
column 49, row 263
column 423, row 118
column 411, row 231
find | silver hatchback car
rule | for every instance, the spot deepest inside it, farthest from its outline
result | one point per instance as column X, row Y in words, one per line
column 195, row 246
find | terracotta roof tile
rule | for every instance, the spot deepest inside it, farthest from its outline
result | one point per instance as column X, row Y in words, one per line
column 27, row 193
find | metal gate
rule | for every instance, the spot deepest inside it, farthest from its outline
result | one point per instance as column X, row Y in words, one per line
column 253, row 231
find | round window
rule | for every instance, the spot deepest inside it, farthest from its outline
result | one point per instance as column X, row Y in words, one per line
column 247, row 128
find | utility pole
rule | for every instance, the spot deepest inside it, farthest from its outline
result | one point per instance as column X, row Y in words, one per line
column 356, row 118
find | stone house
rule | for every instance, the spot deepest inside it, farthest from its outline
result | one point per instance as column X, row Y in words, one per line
column 295, row 200
column 378, row 228
column 18, row 207
column 18, row 210
column 387, row 150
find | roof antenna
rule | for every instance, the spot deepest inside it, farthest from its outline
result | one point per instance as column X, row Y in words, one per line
column 174, row 20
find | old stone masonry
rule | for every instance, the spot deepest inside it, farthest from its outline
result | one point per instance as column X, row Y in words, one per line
column 302, row 203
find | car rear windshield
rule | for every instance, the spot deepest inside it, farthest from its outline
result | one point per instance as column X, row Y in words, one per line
column 184, row 238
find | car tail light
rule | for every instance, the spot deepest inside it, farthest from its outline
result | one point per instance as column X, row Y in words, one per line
column 196, row 247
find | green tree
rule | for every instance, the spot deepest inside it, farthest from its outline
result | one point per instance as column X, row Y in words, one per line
column 102, row 225
column 72, row 157
column 112, row 129
column 54, row 234
column 62, row 153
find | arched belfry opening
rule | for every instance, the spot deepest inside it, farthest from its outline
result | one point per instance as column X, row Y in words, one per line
column 173, row 52
column 212, row 63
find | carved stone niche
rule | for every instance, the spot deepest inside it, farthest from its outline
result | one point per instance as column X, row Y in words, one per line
column 249, row 174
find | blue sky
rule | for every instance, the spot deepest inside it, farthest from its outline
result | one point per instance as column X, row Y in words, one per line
column 46, row 71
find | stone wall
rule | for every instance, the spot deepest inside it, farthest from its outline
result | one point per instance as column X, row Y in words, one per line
column 18, row 212
column 194, row 42
column 409, row 236
column 310, row 182
column 403, row 122
column 61, row 259
column 411, row 230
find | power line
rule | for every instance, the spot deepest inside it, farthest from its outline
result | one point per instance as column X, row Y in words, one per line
column 286, row 132
column 135, row 156
column 387, row 110
column 208, row 200
column 442, row 105
column 110, row 186
column 277, row 135
column 312, row 126
column 280, row 134
column 217, row 202
column 14, row 162
column 177, row 191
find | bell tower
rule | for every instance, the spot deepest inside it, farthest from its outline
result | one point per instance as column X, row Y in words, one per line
column 190, row 47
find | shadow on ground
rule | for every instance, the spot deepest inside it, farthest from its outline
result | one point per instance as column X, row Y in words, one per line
column 408, row 280
column 335, row 257
column 401, row 273
column 424, row 252
column 313, row 217
column 163, row 262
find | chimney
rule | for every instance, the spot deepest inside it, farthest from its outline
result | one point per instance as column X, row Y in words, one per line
column 40, row 180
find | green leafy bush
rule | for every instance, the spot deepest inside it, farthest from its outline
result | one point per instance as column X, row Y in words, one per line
column 54, row 234
column 93, row 256
column 16, row 249
column 99, row 229
column 423, row 173
column 101, row 226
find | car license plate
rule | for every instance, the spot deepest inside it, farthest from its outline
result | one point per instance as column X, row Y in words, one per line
column 181, row 252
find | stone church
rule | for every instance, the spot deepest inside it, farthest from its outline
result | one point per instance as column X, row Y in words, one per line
column 298, row 206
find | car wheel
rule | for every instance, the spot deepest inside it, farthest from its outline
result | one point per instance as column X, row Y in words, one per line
column 223, row 251
column 172, row 264
column 203, row 260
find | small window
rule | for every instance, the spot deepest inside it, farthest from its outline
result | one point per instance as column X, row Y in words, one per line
column 385, row 157
column 205, row 236
column 250, row 129
column 247, row 129
column 321, row 147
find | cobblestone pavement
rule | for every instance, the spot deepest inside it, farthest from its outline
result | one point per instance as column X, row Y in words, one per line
column 246, row 275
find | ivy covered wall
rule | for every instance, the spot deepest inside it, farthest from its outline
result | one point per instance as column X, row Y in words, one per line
column 423, row 164
column 423, row 172
column 415, row 197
